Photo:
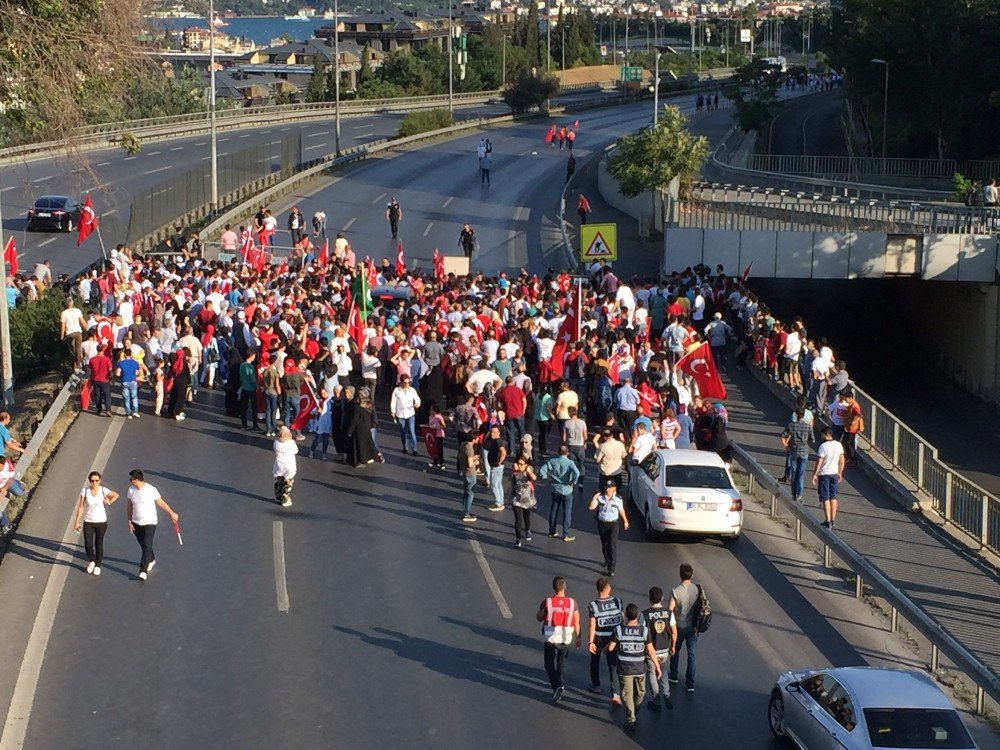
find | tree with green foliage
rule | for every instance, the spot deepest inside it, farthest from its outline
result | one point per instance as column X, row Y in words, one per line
column 576, row 31
column 365, row 73
column 376, row 88
column 316, row 88
column 530, row 37
column 407, row 72
column 425, row 120
column 160, row 95
column 754, row 91
column 530, row 91
column 652, row 157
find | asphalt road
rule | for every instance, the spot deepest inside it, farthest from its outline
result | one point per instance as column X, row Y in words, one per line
column 393, row 634
column 809, row 126
column 112, row 177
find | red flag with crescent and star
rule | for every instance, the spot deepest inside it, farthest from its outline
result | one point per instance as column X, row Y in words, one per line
column 700, row 365
column 324, row 254
column 10, row 255
column 569, row 332
column 400, row 262
column 307, row 404
column 247, row 245
column 88, row 221
column 438, row 260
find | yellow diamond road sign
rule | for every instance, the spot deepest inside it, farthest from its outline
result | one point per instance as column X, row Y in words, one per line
column 599, row 241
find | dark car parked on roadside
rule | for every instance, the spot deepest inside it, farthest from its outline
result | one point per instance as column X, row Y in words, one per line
column 58, row 212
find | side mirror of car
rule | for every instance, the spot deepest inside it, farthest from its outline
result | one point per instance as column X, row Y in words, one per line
column 792, row 687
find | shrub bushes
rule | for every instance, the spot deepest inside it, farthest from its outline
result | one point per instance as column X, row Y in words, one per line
column 425, row 120
column 34, row 336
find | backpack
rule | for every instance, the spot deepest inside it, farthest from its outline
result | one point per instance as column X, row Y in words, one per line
column 703, row 609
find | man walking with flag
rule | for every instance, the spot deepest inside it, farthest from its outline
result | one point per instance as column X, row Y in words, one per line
column 700, row 365
column 400, row 262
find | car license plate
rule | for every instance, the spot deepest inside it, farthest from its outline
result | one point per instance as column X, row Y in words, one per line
column 44, row 214
column 710, row 506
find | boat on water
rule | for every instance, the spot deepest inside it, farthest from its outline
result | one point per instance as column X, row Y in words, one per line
column 302, row 15
column 218, row 22
column 328, row 14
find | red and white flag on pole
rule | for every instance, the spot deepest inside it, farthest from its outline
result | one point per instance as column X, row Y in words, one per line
column 324, row 254
column 307, row 405
column 438, row 260
column 576, row 125
column 88, row 221
column 356, row 327
column 700, row 365
column 400, row 263
column 177, row 530
column 247, row 245
column 569, row 332
column 10, row 255
column 746, row 272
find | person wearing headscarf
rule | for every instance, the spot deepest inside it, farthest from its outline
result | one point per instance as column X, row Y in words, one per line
column 210, row 356
column 178, row 380
column 359, row 431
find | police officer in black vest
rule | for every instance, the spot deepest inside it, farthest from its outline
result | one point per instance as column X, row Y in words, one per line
column 663, row 630
column 633, row 643
column 605, row 615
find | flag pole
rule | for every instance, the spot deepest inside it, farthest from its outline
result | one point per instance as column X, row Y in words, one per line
column 100, row 237
column 6, row 361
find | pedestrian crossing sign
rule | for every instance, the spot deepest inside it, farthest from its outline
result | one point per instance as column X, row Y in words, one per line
column 599, row 241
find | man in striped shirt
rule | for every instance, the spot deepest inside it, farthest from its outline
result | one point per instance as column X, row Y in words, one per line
column 560, row 618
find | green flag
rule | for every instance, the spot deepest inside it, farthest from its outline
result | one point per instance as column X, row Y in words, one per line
column 362, row 293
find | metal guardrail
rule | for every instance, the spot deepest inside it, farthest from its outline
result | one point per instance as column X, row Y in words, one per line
column 957, row 499
column 736, row 206
column 198, row 121
column 846, row 166
column 41, row 434
column 720, row 169
column 868, row 574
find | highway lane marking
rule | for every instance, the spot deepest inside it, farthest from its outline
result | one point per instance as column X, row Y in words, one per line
column 273, row 143
column 15, row 728
column 43, row 243
column 379, row 198
column 318, row 145
column 445, row 204
column 201, row 143
column 43, row 179
column 104, row 164
column 349, row 224
column 221, row 140
column 428, row 230
column 4, row 190
column 159, row 169
column 317, row 135
column 491, row 580
column 154, row 153
column 130, row 158
column 284, row 129
column 111, row 211
column 280, row 581
column 247, row 135
column 364, row 127
column 177, row 148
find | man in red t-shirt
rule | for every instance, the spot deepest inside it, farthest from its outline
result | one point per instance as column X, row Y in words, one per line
column 512, row 400
column 100, row 376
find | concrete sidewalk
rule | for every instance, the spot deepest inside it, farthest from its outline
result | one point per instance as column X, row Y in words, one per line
column 948, row 581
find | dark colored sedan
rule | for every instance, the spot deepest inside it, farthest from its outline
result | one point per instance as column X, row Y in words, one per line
column 58, row 212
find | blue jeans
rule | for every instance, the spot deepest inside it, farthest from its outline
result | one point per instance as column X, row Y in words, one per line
column 515, row 431
column 130, row 395
column 578, row 454
column 469, row 493
column 690, row 637
column 271, row 401
column 320, row 439
column 291, row 409
column 496, row 484
column 408, row 433
column 561, row 505
column 797, row 473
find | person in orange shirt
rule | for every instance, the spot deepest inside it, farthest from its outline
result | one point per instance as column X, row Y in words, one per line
column 583, row 208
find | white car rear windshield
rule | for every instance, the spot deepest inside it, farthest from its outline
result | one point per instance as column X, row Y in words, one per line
column 711, row 477
column 914, row 728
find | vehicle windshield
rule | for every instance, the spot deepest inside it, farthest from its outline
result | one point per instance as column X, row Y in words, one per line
column 914, row 728
column 713, row 477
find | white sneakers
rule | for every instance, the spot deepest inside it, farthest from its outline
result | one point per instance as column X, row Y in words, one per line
column 143, row 576
column 90, row 567
column 286, row 504
column 97, row 571
column 149, row 568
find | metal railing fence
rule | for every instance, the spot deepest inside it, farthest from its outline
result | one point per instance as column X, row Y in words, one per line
column 867, row 574
column 954, row 497
column 853, row 166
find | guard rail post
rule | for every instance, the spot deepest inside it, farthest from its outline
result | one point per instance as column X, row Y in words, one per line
column 949, row 507
column 984, row 537
column 895, row 444
column 920, row 464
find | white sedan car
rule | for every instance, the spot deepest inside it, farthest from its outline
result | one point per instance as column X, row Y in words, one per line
column 686, row 491
column 864, row 708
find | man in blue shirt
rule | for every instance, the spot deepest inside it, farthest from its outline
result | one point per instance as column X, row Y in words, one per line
column 6, row 439
column 128, row 375
column 564, row 474
column 626, row 405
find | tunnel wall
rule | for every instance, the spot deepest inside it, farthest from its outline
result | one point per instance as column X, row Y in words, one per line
column 885, row 327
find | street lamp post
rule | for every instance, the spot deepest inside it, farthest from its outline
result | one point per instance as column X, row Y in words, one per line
column 548, row 37
column 885, row 106
column 214, row 147
column 336, row 76
column 503, row 65
column 656, row 89
column 451, row 63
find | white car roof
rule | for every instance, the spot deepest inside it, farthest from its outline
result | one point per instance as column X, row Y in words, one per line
column 690, row 457
column 874, row 687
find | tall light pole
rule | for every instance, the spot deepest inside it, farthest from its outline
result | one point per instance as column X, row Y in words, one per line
column 451, row 63
column 562, row 30
column 6, row 361
column 548, row 36
column 503, row 65
column 214, row 147
column 336, row 76
column 656, row 89
column 885, row 106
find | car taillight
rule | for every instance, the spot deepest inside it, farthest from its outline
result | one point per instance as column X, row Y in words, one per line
column 667, row 503
column 736, row 506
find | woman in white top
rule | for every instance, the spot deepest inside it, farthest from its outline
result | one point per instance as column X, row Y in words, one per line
column 285, row 466
column 91, row 510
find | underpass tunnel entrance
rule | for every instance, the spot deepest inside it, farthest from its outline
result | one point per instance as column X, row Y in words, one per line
column 928, row 351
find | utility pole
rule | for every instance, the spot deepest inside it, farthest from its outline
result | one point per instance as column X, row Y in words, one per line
column 451, row 63
column 214, row 147
column 548, row 37
column 503, row 65
column 6, row 361
column 336, row 75
column 656, row 90
column 562, row 30
column 626, row 37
